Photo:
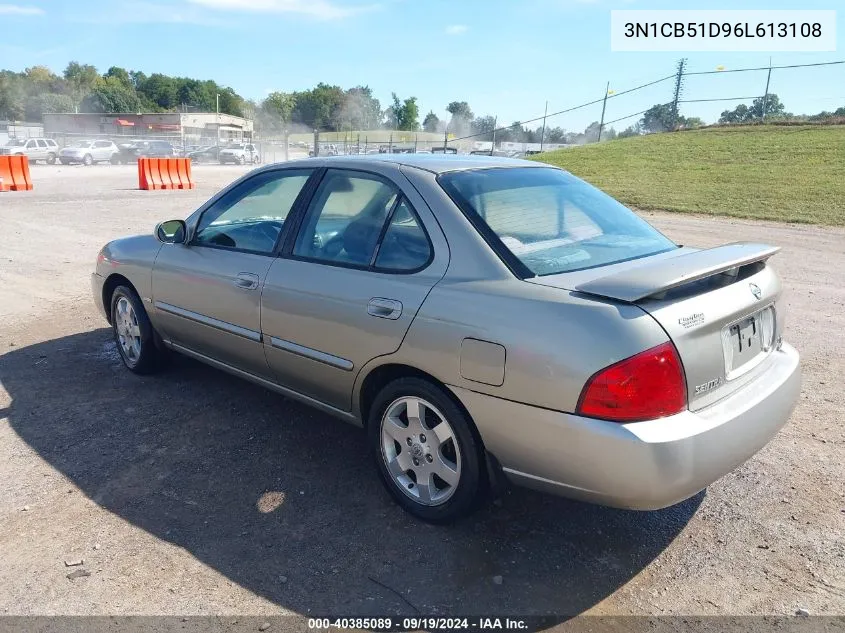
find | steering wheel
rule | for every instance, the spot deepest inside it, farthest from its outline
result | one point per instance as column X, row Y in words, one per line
column 270, row 231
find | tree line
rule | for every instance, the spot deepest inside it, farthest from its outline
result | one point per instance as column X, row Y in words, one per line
column 30, row 94
column 664, row 118
column 36, row 91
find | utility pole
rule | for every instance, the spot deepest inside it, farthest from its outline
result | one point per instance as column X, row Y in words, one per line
column 766, row 95
column 679, row 85
column 445, row 137
column 493, row 145
column 543, row 133
column 218, row 120
column 603, row 108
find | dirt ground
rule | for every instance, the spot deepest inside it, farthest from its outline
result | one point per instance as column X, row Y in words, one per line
column 193, row 492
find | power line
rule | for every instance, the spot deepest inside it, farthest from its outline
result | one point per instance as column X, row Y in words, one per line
column 745, row 70
column 628, row 116
column 572, row 109
column 721, row 99
column 646, row 85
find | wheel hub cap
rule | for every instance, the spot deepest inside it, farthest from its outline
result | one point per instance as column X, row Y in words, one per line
column 420, row 451
column 128, row 331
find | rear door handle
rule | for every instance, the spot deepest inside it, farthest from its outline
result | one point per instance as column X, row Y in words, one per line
column 385, row 308
column 247, row 281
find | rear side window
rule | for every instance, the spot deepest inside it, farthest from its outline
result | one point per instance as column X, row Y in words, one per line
column 345, row 219
column 404, row 245
column 42, row 144
column 545, row 221
column 360, row 220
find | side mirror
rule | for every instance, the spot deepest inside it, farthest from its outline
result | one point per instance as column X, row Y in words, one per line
column 171, row 232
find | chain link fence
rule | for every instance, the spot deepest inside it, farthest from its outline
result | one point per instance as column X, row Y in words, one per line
column 672, row 93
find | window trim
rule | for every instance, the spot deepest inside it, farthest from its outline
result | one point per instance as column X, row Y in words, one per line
column 287, row 251
column 303, row 193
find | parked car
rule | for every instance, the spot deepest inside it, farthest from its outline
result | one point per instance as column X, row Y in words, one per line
column 487, row 152
column 131, row 152
column 35, row 149
column 183, row 151
column 88, row 152
column 326, row 149
column 477, row 317
column 205, row 154
column 239, row 154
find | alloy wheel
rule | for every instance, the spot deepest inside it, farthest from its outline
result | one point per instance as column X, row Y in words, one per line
column 128, row 331
column 419, row 448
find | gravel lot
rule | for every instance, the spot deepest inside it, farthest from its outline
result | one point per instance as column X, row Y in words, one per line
column 196, row 493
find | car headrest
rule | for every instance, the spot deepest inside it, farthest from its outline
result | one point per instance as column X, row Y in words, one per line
column 360, row 237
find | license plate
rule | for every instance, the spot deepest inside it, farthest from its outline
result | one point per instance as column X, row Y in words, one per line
column 743, row 342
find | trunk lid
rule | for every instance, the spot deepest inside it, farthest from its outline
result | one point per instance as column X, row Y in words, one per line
column 718, row 306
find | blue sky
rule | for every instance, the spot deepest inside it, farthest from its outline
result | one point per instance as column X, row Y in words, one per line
column 506, row 58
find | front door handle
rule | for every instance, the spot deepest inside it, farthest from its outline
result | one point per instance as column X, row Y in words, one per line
column 247, row 281
column 385, row 308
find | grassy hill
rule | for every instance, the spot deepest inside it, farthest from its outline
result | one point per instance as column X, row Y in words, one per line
column 790, row 174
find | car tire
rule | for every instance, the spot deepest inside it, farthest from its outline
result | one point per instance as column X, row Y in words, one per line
column 406, row 450
column 88, row 160
column 242, row 160
column 114, row 160
column 51, row 158
column 256, row 159
column 133, row 333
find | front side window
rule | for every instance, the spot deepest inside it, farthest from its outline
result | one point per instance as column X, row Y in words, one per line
column 551, row 221
column 250, row 217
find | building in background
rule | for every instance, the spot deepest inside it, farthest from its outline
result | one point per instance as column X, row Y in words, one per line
column 16, row 129
column 195, row 128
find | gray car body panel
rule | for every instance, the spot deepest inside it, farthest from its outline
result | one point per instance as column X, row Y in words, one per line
column 645, row 278
column 516, row 353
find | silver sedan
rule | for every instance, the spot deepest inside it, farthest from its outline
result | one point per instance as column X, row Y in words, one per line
column 483, row 319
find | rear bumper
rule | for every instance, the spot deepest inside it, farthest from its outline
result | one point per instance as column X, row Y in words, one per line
column 643, row 465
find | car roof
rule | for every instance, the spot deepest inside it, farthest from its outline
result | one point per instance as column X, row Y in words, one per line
column 435, row 163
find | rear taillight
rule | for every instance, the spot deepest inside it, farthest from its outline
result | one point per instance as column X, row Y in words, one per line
column 643, row 387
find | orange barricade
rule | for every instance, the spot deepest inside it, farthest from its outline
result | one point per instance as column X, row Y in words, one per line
column 14, row 173
column 165, row 173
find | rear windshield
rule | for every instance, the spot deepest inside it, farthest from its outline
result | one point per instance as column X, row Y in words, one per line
column 549, row 220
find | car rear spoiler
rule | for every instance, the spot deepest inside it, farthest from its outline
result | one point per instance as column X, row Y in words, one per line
column 646, row 280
